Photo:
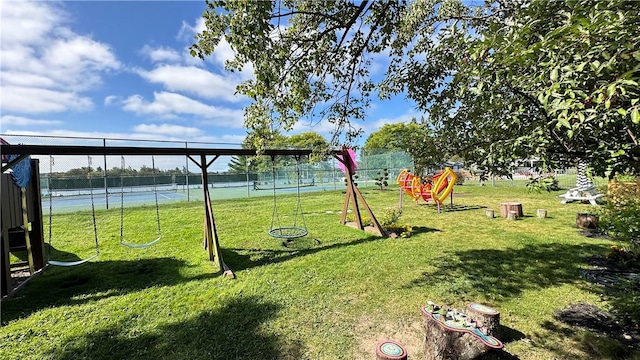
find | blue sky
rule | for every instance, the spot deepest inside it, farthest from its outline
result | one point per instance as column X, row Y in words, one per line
column 121, row 69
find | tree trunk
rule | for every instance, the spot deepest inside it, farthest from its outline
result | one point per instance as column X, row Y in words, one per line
column 541, row 213
column 489, row 213
column 443, row 343
column 485, row 317
column 511, row 206
column 587, row 221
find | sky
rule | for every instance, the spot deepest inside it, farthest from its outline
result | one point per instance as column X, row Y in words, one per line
column 121, row 69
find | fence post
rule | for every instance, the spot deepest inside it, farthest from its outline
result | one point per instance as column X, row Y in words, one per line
column 106, row 188
column 186, row 161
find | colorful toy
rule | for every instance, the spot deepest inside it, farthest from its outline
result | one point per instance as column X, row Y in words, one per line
column 437, row 188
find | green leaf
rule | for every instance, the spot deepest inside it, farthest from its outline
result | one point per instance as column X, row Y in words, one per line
column 635, row 116
column 622, row 112
column 554, row 74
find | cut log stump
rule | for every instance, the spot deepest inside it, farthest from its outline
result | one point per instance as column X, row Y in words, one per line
column 489, row 213
column 587, row 221
column 448, row 340
column 487, row 318
column 541, row 213
column 390, row 350
column 511, row 206
column 512, row 215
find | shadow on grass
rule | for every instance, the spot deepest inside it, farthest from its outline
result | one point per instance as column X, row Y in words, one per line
column 499, row 274
column 93, row 281
column 598, row 346
column 453, row 208
column 241, row 259
column 232, row 331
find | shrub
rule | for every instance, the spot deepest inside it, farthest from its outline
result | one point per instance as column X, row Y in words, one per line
column 390, row 216
column 383, row 179
column 546, row 182
column 623, row 258
column 621, row 220
column 624, row 297
column 461, row 176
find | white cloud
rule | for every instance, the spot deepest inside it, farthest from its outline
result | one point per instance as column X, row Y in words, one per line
column 43, row 58
column 193, row 80
column 222, row 53
column 10, row 120
column 167, row 129
column 171, row 105
column 161, row 54
column 112, row 99
column 33, row 100
column 187, row 31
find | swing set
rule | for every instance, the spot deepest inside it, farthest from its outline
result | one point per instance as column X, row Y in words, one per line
column 199, row 156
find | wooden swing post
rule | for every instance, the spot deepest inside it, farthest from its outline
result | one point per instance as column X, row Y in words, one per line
column 354, row 196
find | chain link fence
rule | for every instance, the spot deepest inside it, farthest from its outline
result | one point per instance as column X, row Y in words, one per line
column 71, row 183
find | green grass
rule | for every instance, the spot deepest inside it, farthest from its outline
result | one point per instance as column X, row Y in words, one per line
column 332, row 295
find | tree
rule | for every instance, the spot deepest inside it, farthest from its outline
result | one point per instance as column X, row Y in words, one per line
column 504, row 81
column 414, row 138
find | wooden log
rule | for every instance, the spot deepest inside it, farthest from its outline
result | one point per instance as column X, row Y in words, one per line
column 390, row 350
column 490, row 214
column 445, row 343
column 486, row 318
column 512, row 215
column 587, row 221
column 541, row 213
column 510, row 206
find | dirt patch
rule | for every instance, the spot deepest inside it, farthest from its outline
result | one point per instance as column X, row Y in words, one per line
column 591, row 318
column 595, row 234
column 371, row 331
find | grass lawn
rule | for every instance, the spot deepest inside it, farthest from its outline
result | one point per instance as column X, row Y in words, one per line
column 332, row 295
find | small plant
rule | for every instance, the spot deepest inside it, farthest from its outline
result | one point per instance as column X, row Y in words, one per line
column 353, row 179
column 382, row 180
column 403, row 231
column 461, row 176
column 390, row 216
column 545, row 182
column 623, row 258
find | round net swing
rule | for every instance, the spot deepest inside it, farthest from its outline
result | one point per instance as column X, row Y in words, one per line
column 287, row 232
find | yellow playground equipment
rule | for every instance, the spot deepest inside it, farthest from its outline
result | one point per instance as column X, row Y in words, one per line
column 437, row 188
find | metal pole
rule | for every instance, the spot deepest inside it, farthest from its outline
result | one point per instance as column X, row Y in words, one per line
column 246, row 163
column 106, row 188
column 186, row 160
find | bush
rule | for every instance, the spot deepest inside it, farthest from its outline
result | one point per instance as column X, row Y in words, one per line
column 623, row 258
column 624, row 297
column 461, row 176
column 546, row 182
column 621, row 220
column 382, row 180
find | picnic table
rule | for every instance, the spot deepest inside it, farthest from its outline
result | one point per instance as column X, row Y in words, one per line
column 589, row 194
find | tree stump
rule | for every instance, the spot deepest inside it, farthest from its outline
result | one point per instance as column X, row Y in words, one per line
column 489, row 213
column 445, row 341
column 486, row 317
column 587, row 221
column 541, row 213
column 512, row 215
column 511, row 206
column 390, row 350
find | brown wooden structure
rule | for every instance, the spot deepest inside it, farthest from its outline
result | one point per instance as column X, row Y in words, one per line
column 199, row 157
column 21, row 229
column 506, row 208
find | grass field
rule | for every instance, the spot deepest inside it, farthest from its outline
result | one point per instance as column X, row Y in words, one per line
column 332, row 295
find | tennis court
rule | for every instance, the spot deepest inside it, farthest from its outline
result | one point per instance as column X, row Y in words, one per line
column 71, row 201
